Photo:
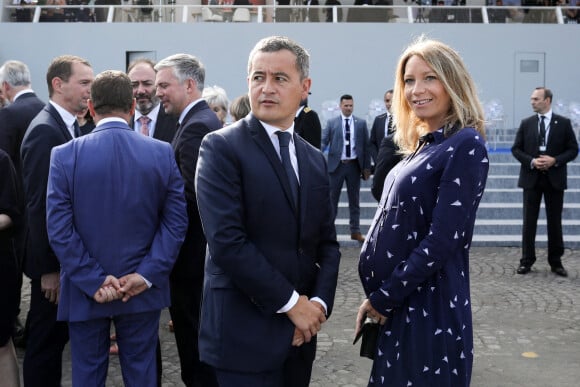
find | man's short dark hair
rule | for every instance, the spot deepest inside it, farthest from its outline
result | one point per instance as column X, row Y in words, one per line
column 112, row 91
column 345, row 96
column 61, row 67
column 547, row 93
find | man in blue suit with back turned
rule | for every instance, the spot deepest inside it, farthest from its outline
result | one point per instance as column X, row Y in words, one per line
column 264, row 201
column 116, row 218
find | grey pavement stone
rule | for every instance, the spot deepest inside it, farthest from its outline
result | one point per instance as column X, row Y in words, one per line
column 515, row 318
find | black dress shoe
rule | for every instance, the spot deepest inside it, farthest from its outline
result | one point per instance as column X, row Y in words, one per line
column 560, row 271
column 523, row 269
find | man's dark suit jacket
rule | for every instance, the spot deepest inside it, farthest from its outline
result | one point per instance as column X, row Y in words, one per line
column 198, row 122
column 307, row 125
column 377, row 134
column 561, row 144
column 385, row 161
column 165, row 126
column 260, row 249
column 14, row 120
column 46, row 131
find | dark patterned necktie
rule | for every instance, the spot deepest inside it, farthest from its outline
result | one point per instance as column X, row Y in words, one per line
column 542, row 131
column 347, row 137
column 284, row 139
column 77, row 129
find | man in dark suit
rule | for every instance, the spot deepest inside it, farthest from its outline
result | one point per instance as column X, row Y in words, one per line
column 382, row 126
column 307, row 124
column 387, row 159
column 544, row 144
column 15, row 84
column 179, row 82
column 69, row 80
column 349, row 159
column 116, row 244
column 383, row 147
column 158, row 124
column 273, row 257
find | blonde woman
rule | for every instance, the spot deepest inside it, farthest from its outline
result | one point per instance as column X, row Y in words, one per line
column 414, row 265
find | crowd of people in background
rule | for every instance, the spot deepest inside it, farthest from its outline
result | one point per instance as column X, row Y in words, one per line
column 435, row 11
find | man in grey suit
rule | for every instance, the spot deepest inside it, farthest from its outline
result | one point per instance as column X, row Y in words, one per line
column 349, row 158
column 148, row 110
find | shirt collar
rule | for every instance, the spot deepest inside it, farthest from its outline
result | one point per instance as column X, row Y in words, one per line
column 110, row 119
column 548, row 116
column 22, row 92
column 66, row 116
column 271, row 130
column 187, row 109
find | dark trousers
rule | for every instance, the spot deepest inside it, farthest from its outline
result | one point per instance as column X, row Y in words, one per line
column 554, row 201
column 46, row 340
column 185, row 312
column 295, row 372
column 137, row 336
column 351, row 173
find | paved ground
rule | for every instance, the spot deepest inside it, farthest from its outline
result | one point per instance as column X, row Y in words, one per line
column 526, row 328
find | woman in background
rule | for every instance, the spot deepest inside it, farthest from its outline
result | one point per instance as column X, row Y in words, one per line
column 414, row 265
column 217, row 99
column 240, row 107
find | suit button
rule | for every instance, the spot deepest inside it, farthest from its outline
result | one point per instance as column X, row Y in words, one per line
column 300, row 251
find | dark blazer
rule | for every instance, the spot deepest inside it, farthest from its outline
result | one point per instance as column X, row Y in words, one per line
column 14, row 120
column 46, row 131
column 99, row 224
column 198, row 122
column 333, row 137
column 260, row 249
column 385, row 161
column 307, row 125
column 561, row 144
column 165, row 126
column 377, row 134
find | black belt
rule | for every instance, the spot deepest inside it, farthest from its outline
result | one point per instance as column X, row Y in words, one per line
column 348, row 161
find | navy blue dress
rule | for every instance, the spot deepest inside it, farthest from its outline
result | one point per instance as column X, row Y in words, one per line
column 414, row 265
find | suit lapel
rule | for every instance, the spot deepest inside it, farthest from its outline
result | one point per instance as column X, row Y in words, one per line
column 261, row 138
column 383, row 123
column 197, row 107
column 62, row 126
column 304, row 173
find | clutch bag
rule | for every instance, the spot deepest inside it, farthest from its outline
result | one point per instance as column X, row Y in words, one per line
column 369, row 333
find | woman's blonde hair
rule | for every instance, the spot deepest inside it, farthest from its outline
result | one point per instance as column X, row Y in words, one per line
column 465, row 110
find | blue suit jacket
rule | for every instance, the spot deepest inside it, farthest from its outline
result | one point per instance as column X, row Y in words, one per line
column 260, row 249
column 115, row 205
column 333, row 137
